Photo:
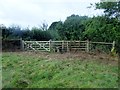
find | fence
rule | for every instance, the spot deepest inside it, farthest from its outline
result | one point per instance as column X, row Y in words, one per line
column 11, row 45
column 66, row 46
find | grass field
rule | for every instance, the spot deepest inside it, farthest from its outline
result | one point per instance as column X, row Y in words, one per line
column 50, row 70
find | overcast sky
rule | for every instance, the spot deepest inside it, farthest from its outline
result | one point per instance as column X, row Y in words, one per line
column 35, row 12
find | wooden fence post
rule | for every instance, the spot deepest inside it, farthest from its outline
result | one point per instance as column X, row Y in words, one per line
column 62, row 45
column 22, row 44
column 87, row 44
column 50, row 45
column 113, row 46
column 67, row 46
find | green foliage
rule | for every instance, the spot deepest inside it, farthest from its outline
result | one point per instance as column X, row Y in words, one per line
column 101, row 29
column 53, row 29
column 73, row 27
column 26, row 34
column 15, row 32
column 39, row 35
column 111, row 9
column 118, row 44
column 5, row 31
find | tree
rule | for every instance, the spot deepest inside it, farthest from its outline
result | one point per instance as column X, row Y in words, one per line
column 44, row 26
column 100, row 28
column 112, row 10
column 40, row 35
column 5, row 31
column 16, row 31
column 72, row 28
column 26, row 34
column 53, row 29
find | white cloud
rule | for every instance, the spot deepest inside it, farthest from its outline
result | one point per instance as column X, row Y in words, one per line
column 34, row 12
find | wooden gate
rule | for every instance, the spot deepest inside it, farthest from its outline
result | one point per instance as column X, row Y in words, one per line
column 37, row 45
column 66, row 46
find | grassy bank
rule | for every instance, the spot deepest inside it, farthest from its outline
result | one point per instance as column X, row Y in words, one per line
column 42, row 71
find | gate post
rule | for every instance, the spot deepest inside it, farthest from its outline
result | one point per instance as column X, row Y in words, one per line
column 87, row 44
column 22, row 44
column 113, row 46
column 67, row 46
column 50, row 45
column 62, row 45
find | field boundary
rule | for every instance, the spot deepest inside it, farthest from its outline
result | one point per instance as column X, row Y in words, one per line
column 63, row 46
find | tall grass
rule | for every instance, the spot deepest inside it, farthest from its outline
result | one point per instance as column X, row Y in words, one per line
column 20, row 70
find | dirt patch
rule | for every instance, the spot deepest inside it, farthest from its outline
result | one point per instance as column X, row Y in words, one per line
column 101, row 57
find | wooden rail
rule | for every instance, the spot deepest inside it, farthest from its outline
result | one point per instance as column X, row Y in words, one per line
column 62, row 45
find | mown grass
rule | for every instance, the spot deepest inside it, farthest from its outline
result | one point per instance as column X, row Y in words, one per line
column 19, row 70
